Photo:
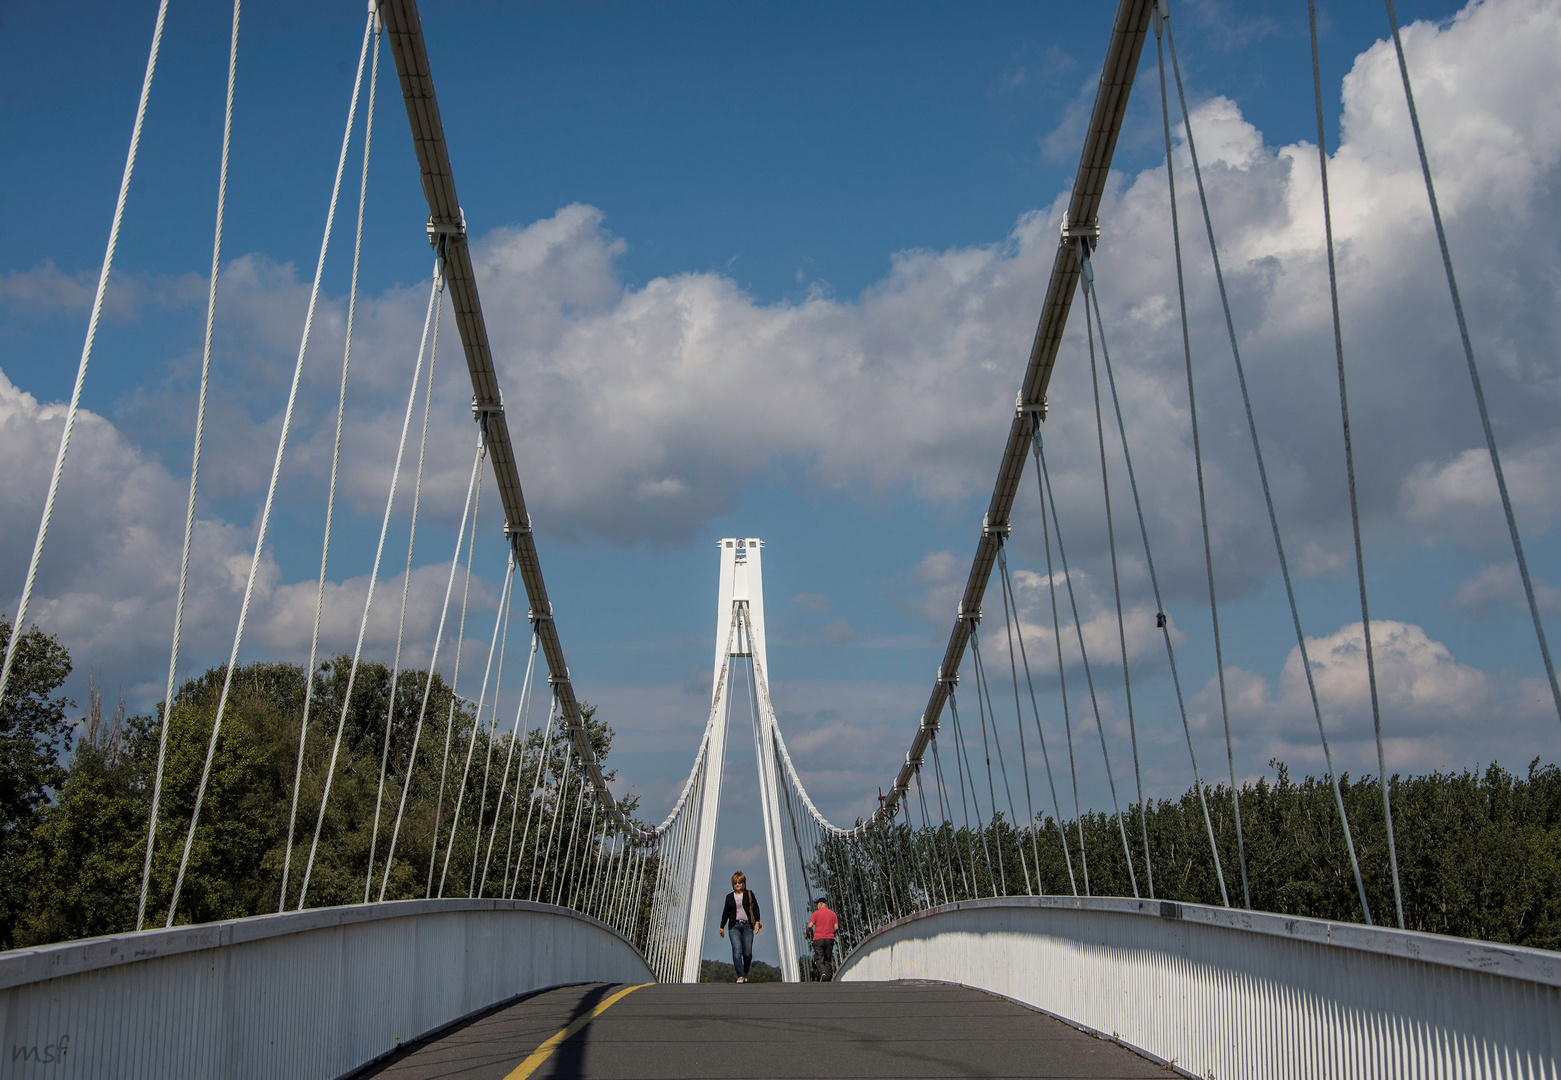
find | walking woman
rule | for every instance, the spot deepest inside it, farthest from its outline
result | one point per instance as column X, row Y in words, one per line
column 742, row 914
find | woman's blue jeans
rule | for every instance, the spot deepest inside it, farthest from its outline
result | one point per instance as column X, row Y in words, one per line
column 742, row 947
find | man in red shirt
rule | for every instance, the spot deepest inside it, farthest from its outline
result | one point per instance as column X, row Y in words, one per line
column 821, row 928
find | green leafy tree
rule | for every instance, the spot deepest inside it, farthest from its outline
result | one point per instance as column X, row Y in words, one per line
column 34, row 735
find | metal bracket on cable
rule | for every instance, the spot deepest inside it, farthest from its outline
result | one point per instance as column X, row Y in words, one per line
column 1086, row 231
column 482, row 411
column 932, row 727
column 544, row 616
column 1002, row 530
column 1086, row 266
column 438, row 230
column 512, row 531
column 949, row 681
column 972, row 617
column 1036, row 409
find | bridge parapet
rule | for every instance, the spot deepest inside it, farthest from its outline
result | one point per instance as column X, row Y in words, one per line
column 315, row 993
column 1235, row 994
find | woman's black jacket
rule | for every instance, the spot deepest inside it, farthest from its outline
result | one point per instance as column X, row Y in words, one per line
column 750, row 904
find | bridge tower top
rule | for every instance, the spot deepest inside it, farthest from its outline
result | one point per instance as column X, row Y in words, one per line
column 742, row 580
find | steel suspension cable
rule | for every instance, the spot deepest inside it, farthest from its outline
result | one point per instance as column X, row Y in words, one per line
column 1197, row 456
column 1154, row 582
column 604, row 880
column 528, row 696
column 531, row 800
column 796, row 836
column 500, row 618
column 893, row 873
column 937, row 768
column 631, row 901
column 455, row 676
column 916, row 874
column 433, row 659
column 983, row 687
column 1009, row 618
column 1268, row 498
column 609, row 878
column 914, row 860
column 1474, row 370
column 559, row 793
column 615, row 866
column 962, row 764
column 20, row 623
column 276, row 472
column 1349, row 459
column 1062, row 671
column 330, row 499
column 379, row 552
column 568, row 849
column 509, row 756
column 1087, row 278
column 195, row 469
column 590, row 836
column 609, row 902
column 406, row 581
column 493, row 732
column 1089, row 678
column 926, row 821
column 1010, row 598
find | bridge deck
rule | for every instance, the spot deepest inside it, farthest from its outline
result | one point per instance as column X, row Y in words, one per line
column 763, row 1030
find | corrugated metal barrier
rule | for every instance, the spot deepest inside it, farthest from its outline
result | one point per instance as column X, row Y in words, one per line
column 1235, row 994
column 300, row 995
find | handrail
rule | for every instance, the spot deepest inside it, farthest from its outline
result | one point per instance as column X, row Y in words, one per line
column 20, row 967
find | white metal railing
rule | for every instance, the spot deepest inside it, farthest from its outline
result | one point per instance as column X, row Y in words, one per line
column 1235, row 994
column 315, row 993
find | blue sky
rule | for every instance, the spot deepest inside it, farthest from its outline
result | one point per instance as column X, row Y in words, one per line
column 778, row 267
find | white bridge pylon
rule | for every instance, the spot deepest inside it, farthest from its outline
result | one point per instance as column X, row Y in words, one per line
column 739, row 645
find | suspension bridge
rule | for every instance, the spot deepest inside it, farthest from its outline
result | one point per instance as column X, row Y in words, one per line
column 537, row 956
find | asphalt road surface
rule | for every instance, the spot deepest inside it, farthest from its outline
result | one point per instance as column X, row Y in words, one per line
column 758, row 1031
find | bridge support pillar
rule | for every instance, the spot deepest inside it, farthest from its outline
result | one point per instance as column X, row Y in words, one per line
column 740, row 636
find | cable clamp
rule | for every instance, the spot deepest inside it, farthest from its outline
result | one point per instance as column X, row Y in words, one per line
column 558, row 680
column 1036, row 409
column 1159, row 620
column 536, row 617
column 949, row 681
column 513, row 532
column 1087, row 231
column 481, row 410
column 971, row 617
column 455, row 230
column 931, row 727
column 1001, row 529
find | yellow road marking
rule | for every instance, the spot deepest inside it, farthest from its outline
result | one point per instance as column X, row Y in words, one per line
column 543, row 1052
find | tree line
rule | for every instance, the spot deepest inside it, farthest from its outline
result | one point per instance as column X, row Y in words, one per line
column 76, row 797
column 1479, row 855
